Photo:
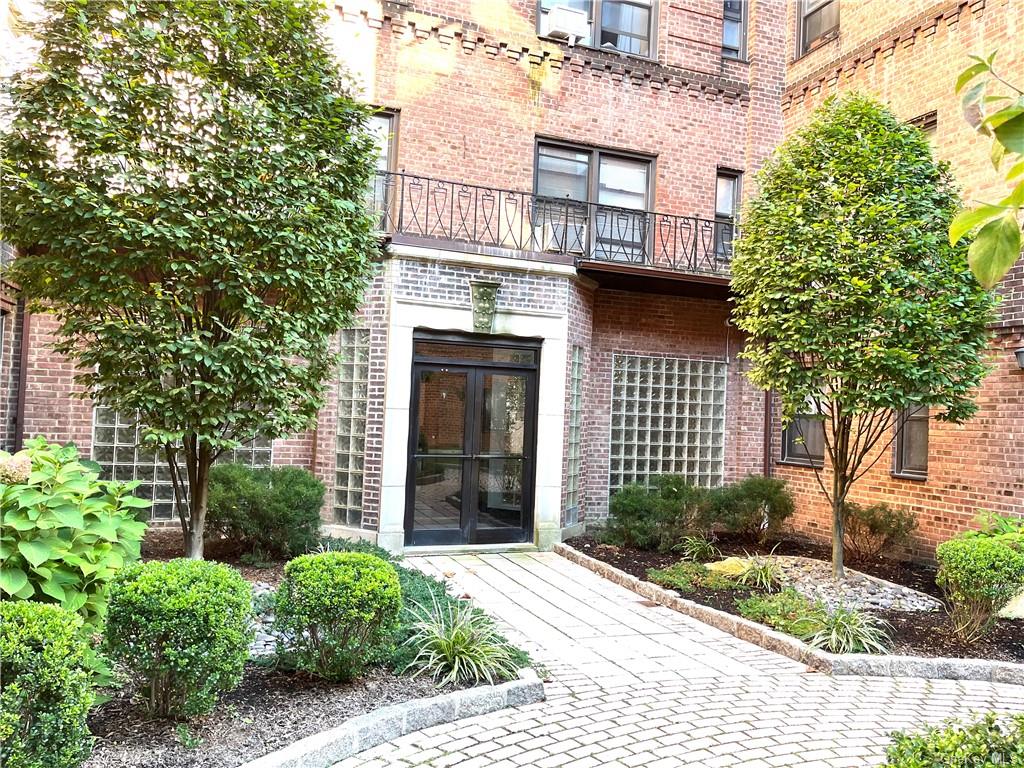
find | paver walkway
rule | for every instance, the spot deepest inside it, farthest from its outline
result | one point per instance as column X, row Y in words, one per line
column 636, row 684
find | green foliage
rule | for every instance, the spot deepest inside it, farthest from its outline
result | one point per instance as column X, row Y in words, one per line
column 1000, row 117
column 340, row 607
column 686, row 576
column 848, row 630
column 755, row 507
column 332, row 544
column 761, row 573
column 985, row 742
column 181, row 630
column 844, row 275
column 656, row 517
column 273, row 512
column 44, row 690
column 456, row 643
column 979, row 575
column 64, row 533
column 787, row 611
column 873, row 530
column 697, row 549
column 198, row 262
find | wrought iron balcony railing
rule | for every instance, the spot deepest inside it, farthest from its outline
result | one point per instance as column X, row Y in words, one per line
column 422, row 207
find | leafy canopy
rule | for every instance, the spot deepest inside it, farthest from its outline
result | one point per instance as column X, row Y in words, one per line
column 185, row 182
column 845, row 279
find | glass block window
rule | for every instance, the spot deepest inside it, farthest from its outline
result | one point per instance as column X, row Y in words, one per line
column 668, row 417
column 116, row 448
column 574, row 445
column 351, row 436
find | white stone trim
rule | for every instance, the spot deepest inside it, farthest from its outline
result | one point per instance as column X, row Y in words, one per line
column 484, row 261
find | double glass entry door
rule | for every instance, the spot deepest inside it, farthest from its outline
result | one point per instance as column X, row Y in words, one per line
column 471, row 452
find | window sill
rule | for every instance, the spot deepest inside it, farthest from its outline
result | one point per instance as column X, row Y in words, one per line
column 820, row 43
column 799, row 463
column 596, row 49
column 915, row 476
column 735, row 59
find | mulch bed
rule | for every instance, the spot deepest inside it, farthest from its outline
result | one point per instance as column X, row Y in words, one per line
column 268, row 711
column 166, row 544
column 915, row 633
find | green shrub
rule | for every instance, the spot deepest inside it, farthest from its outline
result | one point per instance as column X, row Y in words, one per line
column 332, row 544
column 44, row 687
column 873, row 530
column 754, row 508
column 456, row 643
column 686, row 576
column 787, row 611
column 979, row 575
column 64, row 533
column 848, row 630
column 985, row 742
column 270, row 512
column 341, row 608
column 181, row 630
column 656, row 517
column 761, row 573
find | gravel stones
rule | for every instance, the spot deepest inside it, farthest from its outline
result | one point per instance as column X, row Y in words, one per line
column 813, row 579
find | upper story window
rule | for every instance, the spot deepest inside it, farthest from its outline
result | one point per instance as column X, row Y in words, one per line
column 615, row 25
column 568, row 177
column 734, row 29
column 727, row 206
column 803, row 442
column 819, row 22
column 910, row 458
column 382, row 126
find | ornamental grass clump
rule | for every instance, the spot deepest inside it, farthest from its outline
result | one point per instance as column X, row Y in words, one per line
column 340, row 609
column 181, row 630
column 456, row 643
column 45, row 691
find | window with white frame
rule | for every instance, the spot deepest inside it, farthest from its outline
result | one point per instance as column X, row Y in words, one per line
column 668, row 417
column 617, row 25
column 727, row 206
column 116, row 447
column 353, row 376
column 574, row 444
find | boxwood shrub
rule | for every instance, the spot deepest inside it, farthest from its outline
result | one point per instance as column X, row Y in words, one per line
column 45, row 691
column 182, row 631
column 979, row 575
column 340, row 608
column 986, row 741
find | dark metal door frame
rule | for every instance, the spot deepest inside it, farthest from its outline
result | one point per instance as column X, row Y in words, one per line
column 475, row 370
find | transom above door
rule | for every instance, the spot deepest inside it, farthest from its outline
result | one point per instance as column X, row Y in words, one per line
column 472, row 440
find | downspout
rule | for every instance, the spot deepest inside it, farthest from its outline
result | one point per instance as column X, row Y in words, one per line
column 19, row 419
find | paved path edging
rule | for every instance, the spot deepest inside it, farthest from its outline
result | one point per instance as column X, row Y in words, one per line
column 324, row 749
column 821, row 661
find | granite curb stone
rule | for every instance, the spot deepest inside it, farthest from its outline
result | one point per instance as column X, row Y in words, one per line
column 785, row 645
column 324, row 749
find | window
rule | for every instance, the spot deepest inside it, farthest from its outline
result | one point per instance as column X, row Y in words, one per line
column 668, row 417
column 734, row 29
column 727, row 203
column 911, row 450
column 803, row 442
column 819, row 23
column 615, row 25
column 353, row 375
column 928, row 122
column 116, row 448
column 568, row 176
column 382, row 126
column 575, row 438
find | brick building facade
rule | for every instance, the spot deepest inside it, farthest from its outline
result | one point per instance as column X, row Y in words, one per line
column 908, row 55
column 551, row 319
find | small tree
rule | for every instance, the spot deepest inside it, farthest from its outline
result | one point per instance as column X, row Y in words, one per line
column 856, row 304
column 185, row 183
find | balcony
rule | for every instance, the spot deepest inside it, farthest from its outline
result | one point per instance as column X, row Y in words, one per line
column 617, row 247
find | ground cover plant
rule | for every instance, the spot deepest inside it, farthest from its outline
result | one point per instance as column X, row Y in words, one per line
column 982, row 742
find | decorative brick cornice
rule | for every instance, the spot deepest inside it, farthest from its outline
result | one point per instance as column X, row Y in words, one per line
column 404, row 21
column 918, row 31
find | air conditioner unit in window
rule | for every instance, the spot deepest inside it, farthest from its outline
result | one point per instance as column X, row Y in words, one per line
column 569, row 24
column 560, row 237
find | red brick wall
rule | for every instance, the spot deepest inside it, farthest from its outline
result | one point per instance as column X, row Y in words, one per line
column 10, row 364
column 908, row 55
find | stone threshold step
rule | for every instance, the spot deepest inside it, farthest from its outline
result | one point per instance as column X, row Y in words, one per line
column 468, row 549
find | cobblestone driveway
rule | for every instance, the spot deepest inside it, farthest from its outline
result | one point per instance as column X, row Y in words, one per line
column 635, row 684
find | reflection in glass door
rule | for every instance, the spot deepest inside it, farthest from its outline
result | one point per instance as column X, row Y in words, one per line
column 470, row 462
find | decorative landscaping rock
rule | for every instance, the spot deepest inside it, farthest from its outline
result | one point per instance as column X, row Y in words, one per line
column 1014, row 609
column 267, row 638
column 813, row 579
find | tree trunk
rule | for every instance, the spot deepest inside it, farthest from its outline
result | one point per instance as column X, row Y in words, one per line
column 838, row 570
column 200, row 496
